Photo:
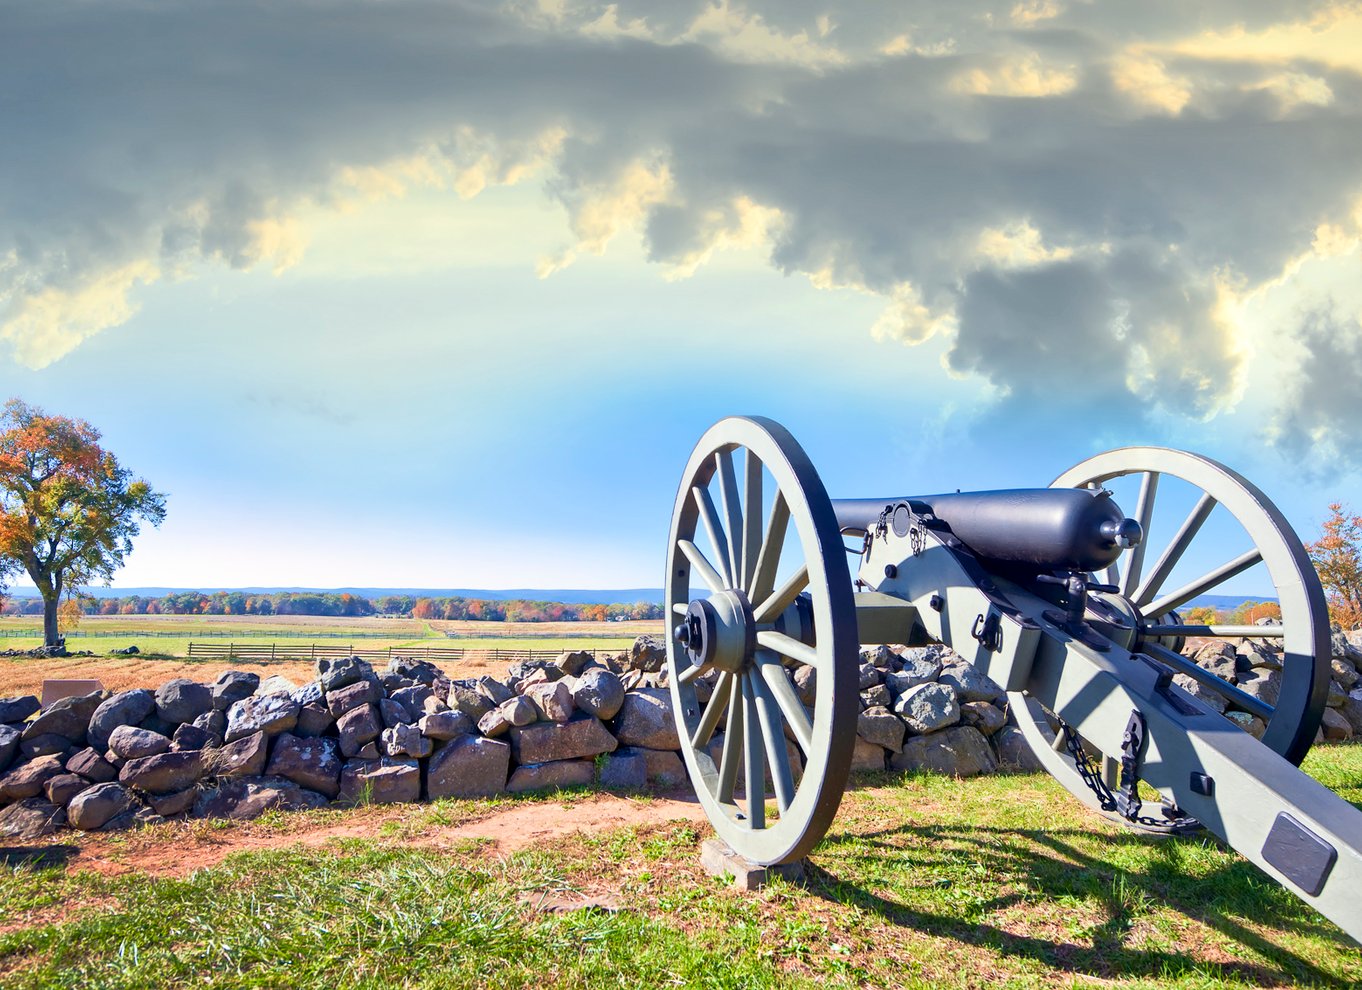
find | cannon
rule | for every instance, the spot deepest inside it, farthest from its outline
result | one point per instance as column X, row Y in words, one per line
column 1049, row 592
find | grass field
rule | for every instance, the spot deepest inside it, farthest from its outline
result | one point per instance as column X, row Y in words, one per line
column 923, row 882
column 170, row 635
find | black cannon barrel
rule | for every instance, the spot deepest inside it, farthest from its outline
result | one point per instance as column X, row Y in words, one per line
column 1076, row 529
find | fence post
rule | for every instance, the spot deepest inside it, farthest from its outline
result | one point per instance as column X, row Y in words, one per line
column 271, row 651
column 313, row 655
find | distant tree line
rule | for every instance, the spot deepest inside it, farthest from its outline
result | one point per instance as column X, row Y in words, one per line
column 343, row 604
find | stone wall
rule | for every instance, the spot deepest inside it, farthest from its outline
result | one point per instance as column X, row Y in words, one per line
column 240, row 746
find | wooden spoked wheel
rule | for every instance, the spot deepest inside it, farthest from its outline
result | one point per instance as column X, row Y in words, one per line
column 757, row 588
column 1153, row 594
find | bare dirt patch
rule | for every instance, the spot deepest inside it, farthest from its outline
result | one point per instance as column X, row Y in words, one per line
column 178, row 849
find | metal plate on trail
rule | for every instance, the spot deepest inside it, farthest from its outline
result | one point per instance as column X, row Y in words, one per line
column 1302, row 856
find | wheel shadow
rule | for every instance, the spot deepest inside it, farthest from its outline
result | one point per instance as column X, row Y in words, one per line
column 1048, row 867
column 37, row 857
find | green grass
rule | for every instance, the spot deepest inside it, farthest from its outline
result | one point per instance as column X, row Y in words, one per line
column 923, row 881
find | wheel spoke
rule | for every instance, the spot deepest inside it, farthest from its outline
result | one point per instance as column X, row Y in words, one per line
column 782, row 597
column 788, row 646
column 728, row 494
column 718, row 704
column 1204, row 583
column 1234, row 695
column 755, row 782
column 773, row 673
column 1144, row 512
column 702, row 566
column 717, row 537
column 689, row 674
column 773, row 735
column 680, row 608
column 728, row 763
column 1150, row 586
column 764, row 578
column 751, row 533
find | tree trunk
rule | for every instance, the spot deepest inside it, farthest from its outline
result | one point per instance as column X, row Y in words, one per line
column 50, row 633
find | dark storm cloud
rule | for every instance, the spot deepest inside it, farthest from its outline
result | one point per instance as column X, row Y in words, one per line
column 1066, row 191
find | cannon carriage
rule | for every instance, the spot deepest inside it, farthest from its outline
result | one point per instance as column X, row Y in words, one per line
column 1052, row 593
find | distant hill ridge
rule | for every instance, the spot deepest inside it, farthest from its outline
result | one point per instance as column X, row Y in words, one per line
column 568, row 596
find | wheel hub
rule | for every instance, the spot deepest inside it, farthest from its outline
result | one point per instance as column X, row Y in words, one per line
column 718, row 632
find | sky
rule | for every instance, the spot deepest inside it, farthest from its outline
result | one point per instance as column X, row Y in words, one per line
column 421, row 293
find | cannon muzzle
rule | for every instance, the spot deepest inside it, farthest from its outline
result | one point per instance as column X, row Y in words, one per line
column 1077, row 529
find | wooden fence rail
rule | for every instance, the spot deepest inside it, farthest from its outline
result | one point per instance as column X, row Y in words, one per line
column 314, row 651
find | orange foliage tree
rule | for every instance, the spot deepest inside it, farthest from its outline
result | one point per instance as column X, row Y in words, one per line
column 68, row 509
column 1337, row 556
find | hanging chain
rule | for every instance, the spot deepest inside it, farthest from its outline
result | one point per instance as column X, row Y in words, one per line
column 1126, row 801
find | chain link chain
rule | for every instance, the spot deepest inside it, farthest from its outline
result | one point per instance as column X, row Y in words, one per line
column 1126, row 802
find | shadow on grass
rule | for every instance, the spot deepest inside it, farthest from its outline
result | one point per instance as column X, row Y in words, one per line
column 37, row 857
column 1048, row 866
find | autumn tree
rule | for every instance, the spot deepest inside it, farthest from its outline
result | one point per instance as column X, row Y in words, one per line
column 1337, row 556
column 68, row 509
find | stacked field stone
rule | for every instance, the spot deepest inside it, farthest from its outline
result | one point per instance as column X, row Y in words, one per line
column 240, row 746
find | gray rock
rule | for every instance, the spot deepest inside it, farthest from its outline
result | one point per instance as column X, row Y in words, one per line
column 882, row 727
column 912, row 673
column 624, row 771
column 664, row 766
column 877, row 697
column 183, row 700
column 414, row 698
column 867, row 756
column 9, row 746
column 806, row 684
column 469, row 766
column 63, row 787
column 553, row 700
column 1013, row 751
column 969, row 683
column 412, row 669
column 445, row 725
column 131, row 743
column 1219, row 658
column 985, row 717
column 310, row 693
column 393, row 713
column 386, row 781
column 357, row 727
column 494, row 690
column 1256, row 654
column 869, row 676
column 311, row 762
column 465, row 697
column 648, row 654
column 214, row 722
column 546, row 742
column 275, row 684
column 515, row 712
column 1336, row 695
column 26, row 780
column 879, row 656
column 645, row 719
column 233, row 686
column 124, row 708
column 342, row 672
column 1251, row 724
column 314, row 720
column 135, row 817
column 573, row 662
column 31, row 818
column 961, row 752
column 68, row 717
column 352, row 696
column 45, row 745
column 90, row 765
column 928, row 708
column 154, row 723
column 1350, row 709
column 244, row 757
column 1344, row 672
column 404, row 740
column 598, row 692
column 1336, row 728
column 249, row 797
column 546, row 776
column 268, row 713
column 1199, row 691
column 1262, row 684
column 164, row 772
column 96, row 806
column 19, row 708
column 174, row 803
